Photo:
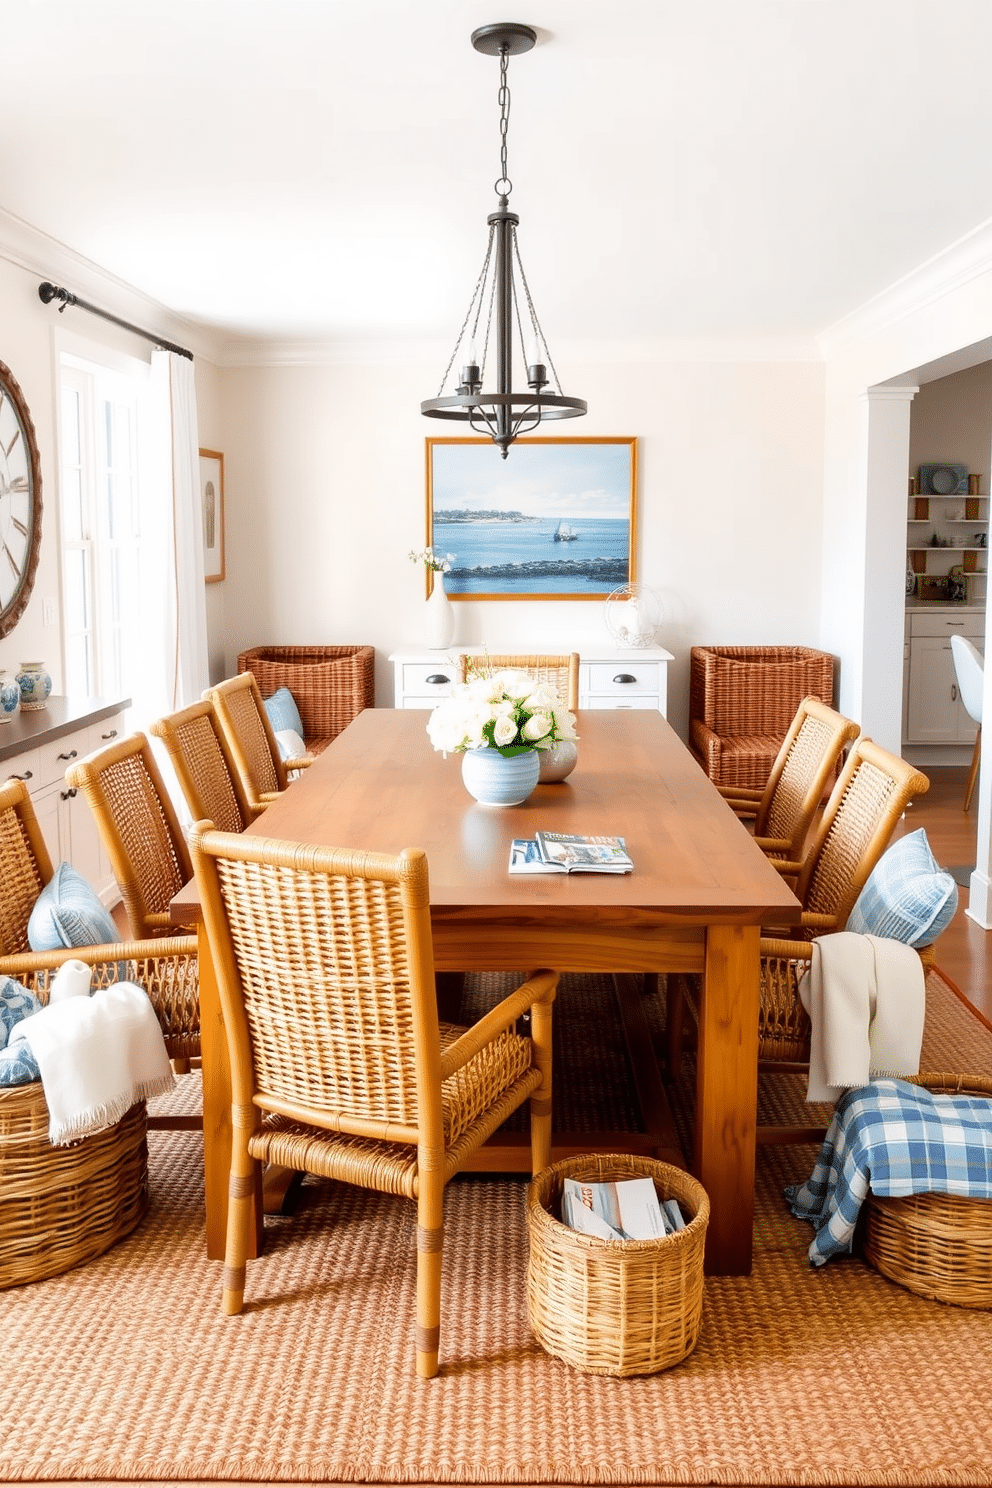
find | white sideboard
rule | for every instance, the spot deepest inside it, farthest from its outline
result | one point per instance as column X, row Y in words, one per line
column 609, row 676
column 38, row 747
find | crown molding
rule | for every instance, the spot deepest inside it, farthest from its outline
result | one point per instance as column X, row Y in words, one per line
column 37, row 253
column 947, row 271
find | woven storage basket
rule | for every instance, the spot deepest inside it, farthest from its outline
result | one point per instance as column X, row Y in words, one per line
column 60, row 1206
column 936, row 1245
column 617, row 1307
column 330, row 684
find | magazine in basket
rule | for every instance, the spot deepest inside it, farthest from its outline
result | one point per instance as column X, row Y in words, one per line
column 563, row 852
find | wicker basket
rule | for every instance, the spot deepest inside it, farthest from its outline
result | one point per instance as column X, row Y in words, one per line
column 331, row 685
column 60, row 1206
column 936, row 1245
column 618, row 1307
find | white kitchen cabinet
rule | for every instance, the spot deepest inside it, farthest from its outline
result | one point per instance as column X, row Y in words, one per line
column 934, row 711
column 38, row 747
column 609, row 677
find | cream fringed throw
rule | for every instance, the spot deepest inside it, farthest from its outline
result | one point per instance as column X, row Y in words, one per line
column 97, row 1056
column 866, row 1002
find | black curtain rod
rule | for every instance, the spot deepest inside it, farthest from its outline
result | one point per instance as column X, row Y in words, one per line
column 48, row 292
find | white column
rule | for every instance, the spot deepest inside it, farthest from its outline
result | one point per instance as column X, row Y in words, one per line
column 884, row 628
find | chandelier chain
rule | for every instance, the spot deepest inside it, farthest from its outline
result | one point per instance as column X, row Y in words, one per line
column 476, row 295
column 538, row 332
column 504, row 185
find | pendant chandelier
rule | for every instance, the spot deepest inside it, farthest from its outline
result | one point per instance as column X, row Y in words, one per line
column 501, row 304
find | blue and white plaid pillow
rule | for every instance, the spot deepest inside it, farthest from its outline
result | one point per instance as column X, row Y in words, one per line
column 908, row 897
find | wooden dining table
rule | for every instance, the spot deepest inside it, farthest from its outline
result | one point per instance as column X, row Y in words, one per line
column 699, row 891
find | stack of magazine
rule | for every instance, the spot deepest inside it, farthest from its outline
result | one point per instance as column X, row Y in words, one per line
column 628, row 1209
column 561, row 852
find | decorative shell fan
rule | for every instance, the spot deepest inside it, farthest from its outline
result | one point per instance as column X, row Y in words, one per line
column 633, row 615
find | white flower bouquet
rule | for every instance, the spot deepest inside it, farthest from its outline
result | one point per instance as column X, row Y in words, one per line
column 433, row 562
column 509, row 711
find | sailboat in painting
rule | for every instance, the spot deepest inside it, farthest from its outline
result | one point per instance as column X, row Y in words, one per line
column 565, row 533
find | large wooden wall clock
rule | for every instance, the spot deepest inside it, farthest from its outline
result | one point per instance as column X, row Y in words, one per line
column 20, row 502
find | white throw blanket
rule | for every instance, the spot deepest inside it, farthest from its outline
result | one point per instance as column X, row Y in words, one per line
column 97, row 1056
column 866, row 1000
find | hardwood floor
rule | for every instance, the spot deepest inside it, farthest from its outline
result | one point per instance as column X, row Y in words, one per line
column 964, row 951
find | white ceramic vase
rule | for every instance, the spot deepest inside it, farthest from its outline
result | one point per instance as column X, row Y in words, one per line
column 440, row 618
column 496, row 779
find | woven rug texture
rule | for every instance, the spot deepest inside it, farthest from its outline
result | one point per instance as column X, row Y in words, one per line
column 125, row 1369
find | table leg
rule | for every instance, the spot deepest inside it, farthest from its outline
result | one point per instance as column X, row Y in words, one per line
column 727, row 1094
column 217, row 1112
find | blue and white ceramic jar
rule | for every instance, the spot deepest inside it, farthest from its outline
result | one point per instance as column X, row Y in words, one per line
column 10, row 696
column 496, row 779
column 35, row 685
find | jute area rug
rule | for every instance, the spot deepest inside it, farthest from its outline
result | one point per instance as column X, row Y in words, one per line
column 125, row 1369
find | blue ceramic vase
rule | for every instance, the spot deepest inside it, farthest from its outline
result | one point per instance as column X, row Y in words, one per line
column 496, row 779
column 10, row 696
column 35, row 684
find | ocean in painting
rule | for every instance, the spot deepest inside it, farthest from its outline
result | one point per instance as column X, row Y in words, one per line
column 507, row 557
column 500, row 519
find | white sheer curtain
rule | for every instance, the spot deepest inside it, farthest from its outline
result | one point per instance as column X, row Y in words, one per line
column 183, row 613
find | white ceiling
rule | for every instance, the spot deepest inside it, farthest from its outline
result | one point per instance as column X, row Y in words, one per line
column 733, row 169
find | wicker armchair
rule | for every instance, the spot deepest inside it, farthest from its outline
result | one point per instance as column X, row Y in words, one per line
column 562, row 670
column 165, row 966
column 339, row 1064
column 783, row 812
column 205, row 768
column 742, row 700
column 251, row 742
column 871, row 795
column 331, row 684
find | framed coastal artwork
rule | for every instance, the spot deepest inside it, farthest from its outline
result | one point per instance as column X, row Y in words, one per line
column 555, row 520
column 212, row 503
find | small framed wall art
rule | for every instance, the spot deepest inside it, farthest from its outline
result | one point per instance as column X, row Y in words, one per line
column 556, row 520
column 212, row 501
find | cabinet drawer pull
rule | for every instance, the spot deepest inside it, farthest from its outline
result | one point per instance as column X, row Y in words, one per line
column 26, row 776
column 954, row 692
column 437, row 679
column 68, row 795
column 111, row 735
column 70, row 755
column 624, row 677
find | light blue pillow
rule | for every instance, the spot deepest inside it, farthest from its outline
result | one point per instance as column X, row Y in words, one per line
column 18, row 1065
column 283, row 712
column 908, row 897
column 68, row 914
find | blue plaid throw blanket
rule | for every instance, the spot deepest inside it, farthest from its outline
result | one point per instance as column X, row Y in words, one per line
column 898, row 1139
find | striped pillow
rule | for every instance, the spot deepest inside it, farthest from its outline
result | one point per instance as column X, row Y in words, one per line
column 908, row 897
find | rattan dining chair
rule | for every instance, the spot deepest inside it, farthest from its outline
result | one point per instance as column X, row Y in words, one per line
column 562, row 670
column 870, row 796
column 251, row 740
column 138, row 827
column 166, row 967
column 339, row 1064
column 208, row 776
column 783, row 812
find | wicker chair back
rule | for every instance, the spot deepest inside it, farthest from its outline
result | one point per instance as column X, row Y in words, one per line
column 25, row 866
column 139, row 829
column 165, row 967
column 808, row 758
column 205, row 768
column 250, row 738
column 562, row 670
column 873, row 791
column 325, row 970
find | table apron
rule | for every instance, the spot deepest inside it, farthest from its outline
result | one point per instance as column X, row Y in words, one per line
column 473, row 944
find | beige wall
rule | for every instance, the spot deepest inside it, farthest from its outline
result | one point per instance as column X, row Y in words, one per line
column 325, row 497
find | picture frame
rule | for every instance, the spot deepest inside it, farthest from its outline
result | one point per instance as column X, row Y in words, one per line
column 556, row 520
column 212, row 506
